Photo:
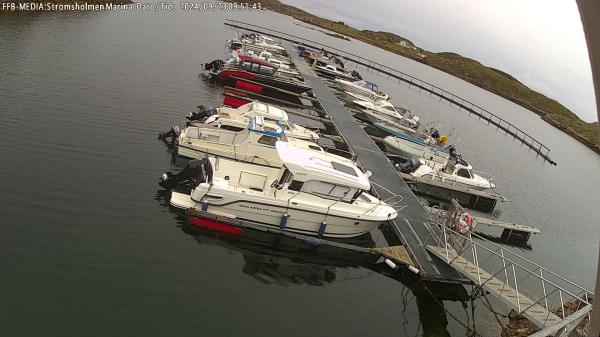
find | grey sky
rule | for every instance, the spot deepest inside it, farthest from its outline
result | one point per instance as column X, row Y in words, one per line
column 540, row 42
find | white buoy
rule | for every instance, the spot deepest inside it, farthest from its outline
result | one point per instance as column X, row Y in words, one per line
column 390, row 263
column 414, row 270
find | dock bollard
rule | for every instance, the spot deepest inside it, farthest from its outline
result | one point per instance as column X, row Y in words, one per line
column 204, row 204
column 322, row 228
column 283, row 222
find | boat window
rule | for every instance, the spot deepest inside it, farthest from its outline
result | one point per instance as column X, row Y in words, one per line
column 286, row 177
column 463, row 173
column 328, row 191
column 389, row 108
column 344, row 168
column 255, row 67
column 247, row 65
column 266, row 70
column 314, row 147
column 231, row 128
column 295, row 185
column 267, row 140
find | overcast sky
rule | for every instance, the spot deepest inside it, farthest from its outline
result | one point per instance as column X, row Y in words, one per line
column 540, row 42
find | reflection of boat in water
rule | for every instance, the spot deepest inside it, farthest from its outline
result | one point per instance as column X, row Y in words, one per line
column 282, row 260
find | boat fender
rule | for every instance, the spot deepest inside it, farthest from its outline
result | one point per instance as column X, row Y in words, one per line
column 390, row 263
column 322, row 228
column 204, row 204
column 414, row 270
column 283, row 222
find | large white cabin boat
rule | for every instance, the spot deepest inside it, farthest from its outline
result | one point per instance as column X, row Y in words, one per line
column 456, row 171
column 363, row 90
column 239, row 118
column 254, row 144
column 312, row 193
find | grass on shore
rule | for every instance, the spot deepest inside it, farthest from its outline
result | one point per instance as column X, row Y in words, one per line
column 488, row 78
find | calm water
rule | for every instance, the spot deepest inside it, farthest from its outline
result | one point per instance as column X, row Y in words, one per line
column 88, row 246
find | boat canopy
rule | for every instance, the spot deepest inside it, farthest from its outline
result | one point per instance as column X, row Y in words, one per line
column 257, row 124
column 268, row 111
column 309, row 165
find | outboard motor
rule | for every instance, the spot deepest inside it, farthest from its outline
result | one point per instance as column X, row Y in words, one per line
column 356, row 75
column 195, row 172
column 214, row 65
column 202, row 114
column 170, row 137
column 409, row 166
column 452, row 151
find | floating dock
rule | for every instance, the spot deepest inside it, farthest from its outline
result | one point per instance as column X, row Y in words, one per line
column 413, row 223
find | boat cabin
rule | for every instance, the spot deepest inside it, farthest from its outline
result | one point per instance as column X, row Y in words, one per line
column 257, row 66
column 321, row 174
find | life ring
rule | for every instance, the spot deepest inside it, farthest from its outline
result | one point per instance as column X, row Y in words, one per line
column 465, row 223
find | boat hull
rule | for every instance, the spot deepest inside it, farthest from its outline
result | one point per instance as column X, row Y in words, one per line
column 298, row 221
column 232, row 76
column 408, row 149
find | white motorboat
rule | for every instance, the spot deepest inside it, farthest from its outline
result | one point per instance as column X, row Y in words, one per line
column 237, row 119
column 409, row 146
column 257, row 41
column 254, row 144
column 456, row 171
column 332, row 71
column 381, row 107
column 310, row 194
column 363, row 89
column 278, row 60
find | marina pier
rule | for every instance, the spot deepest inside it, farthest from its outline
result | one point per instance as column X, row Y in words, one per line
column 463, row 104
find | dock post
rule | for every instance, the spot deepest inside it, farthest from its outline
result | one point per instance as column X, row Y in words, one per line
column 204, row 204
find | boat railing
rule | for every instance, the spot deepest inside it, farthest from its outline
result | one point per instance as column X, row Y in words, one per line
column 548, row 299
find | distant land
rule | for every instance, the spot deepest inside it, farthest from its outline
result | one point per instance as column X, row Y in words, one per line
column 491, row 79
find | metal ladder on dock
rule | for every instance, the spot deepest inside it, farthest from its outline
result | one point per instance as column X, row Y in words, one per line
column 553, row 304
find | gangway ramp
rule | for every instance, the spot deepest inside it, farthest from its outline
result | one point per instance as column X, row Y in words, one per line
column 412, row 223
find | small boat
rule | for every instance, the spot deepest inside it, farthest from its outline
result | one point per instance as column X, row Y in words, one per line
column 270, row 57
column 456, row 171
column 332, row 71
column 408, row 146
column 260, row 71
column 362, row 89
column 254, row 144
column 258, row 41
column 310, row 194
column 382, row 107
column 238, row 119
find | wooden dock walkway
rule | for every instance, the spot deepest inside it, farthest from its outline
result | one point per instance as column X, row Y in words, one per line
column 535, row 312
column 411, row 224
